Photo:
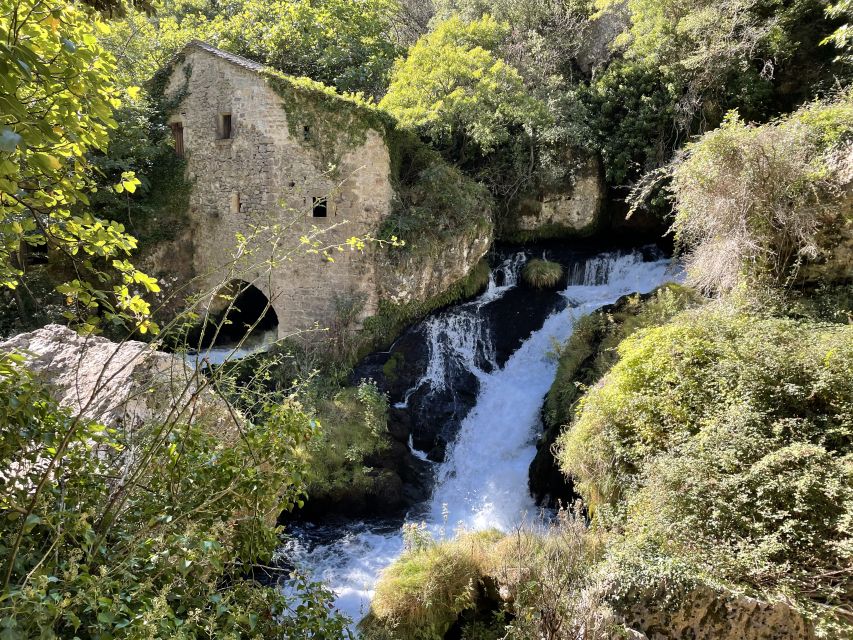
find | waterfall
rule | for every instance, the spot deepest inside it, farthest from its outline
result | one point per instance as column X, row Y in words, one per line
column 483, row 481
column 460, row 337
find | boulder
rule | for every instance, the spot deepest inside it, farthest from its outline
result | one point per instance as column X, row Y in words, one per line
column 703, row 612
column 570, row 208
column 119, row 384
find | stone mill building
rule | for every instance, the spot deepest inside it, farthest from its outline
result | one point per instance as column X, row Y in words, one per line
column 287, row 164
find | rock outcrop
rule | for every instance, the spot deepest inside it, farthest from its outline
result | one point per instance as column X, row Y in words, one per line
column 705, row 613
column 417, row 276
column 597, row 45
column 572, row 208
column 118, row 384
column 834, row 260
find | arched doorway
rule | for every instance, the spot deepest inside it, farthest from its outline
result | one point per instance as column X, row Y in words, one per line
column 240, row 321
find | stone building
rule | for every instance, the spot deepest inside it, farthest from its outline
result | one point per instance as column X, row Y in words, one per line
column 268, row 162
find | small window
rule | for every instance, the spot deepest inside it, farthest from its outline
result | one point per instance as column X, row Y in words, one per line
column 306, row 133
column 226, row 126
column 319, row 209
column 178, row 138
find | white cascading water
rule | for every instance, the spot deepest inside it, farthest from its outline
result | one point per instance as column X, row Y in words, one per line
column 461, row 336
column 253, row 343
column 483, row 481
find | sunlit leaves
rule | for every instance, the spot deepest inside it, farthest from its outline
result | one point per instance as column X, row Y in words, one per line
column 56, row 106
column 452, row 85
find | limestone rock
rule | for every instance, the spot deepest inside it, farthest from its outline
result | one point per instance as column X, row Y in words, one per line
column 597, row 46
column 706, row 613
column 407, row 277
column 573, row 208
column 124, row 384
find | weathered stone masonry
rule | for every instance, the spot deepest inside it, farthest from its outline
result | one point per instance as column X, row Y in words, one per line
column 262, row 176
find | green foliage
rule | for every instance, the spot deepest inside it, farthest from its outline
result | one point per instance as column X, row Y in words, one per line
column 436, row 203
column 454, row 88
column 150, row 532
column 544, row 572
column 631, row 110
column 730, row 434
column 343, row 44
column 842, row 37
column 352, row 426
column 422, row 594
column 542, row 274
column 58, row 102
column 683, row 65
column 591, row 350
column 157, row 209
column 754, row 203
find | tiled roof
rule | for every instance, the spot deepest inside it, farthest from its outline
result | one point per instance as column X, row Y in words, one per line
column 233, row 58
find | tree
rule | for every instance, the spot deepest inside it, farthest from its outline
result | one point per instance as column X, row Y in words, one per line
column 57, row 105
column 453, row 88
column 348, row 45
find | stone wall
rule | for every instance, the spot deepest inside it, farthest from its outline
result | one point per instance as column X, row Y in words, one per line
column 266, row 177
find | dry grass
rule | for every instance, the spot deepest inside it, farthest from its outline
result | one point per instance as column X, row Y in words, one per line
column 751, row 200
column 542, row 575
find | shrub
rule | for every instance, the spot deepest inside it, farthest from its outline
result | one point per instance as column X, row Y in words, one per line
column 351, row 427
column 422, row 594
column 542, row 274
column 535, row 581
column 590, row 351
column 753, row 203
column 728, row 437
column 145, row 533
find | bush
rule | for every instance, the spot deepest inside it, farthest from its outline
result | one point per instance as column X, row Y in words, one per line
column 753, row 203
column 352, row 426
column 146, row 533
column 421, row 595
column 590, row 351
column 536, row 581
column 728, row 437
column 542, row 274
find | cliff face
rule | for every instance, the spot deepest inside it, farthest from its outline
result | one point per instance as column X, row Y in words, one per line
column 415, row 277
column 661, row 612
column 573, row 207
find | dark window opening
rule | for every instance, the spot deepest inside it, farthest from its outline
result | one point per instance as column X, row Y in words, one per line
column 36, row 253
column 178, row 138
column 226, row 126
column 306, row 133
column 319, row 209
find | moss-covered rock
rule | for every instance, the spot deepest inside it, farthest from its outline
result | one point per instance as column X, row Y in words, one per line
column 583, row 360
column 542, row 274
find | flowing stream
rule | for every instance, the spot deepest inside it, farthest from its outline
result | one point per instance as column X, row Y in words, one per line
column 483, row 481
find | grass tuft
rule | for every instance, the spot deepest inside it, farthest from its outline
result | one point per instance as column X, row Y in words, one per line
column 542, row 274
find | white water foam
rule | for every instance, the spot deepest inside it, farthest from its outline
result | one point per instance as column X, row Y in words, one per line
column 483, row 482
column 461, row 336
column 253, row 343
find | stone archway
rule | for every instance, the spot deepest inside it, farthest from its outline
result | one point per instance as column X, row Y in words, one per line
column 239, row 307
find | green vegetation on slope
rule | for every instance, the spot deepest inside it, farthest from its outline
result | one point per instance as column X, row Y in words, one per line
column 728, row 434
column 147, row 531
